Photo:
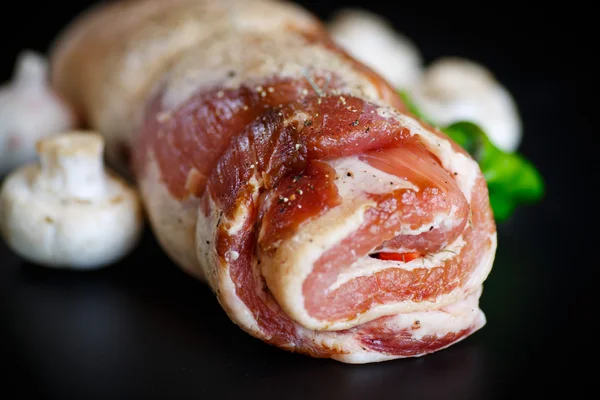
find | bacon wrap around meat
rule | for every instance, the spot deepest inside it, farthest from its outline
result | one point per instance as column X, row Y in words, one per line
column 288, row 176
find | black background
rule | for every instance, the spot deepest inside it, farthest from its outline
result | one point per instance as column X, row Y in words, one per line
column 144, row 329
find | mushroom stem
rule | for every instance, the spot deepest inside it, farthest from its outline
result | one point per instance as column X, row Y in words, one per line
column 72, row 165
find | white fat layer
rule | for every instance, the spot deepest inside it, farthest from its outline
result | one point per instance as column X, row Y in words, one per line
column 466, row 169
column 367, row 266
column 285, row 55
column 463, row 314
column 172, row 221
column 299, row 116
column 450, row 318
column 217, row 271
column 361, row 356
column 441, row 222
column 364, row 178
column 206, row 250
column 236, row 309
column 241, row 213
column 245, row 44
column 485, row 264
column 292, row 264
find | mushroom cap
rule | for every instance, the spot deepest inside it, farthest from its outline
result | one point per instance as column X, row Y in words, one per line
column 454, row 89
column 373, row 40
column 68, row 210
column 64, row 232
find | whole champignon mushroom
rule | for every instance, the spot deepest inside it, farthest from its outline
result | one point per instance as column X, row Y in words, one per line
column 373, row 40
column 29, row 110
column 454, row 89
column 68, row 210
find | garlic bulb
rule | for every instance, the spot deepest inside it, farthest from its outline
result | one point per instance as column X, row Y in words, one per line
column 29, row 110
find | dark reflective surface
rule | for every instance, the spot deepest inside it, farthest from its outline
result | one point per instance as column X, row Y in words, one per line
column 117, row 332
column 144, row 329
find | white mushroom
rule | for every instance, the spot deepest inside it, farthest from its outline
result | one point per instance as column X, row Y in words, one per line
column 69, row 210
column 373, row 40
column 455, row 89
column 29, row 110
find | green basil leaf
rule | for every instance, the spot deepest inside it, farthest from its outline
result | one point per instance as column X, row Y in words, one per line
column 502, row 206
column 470, row 137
